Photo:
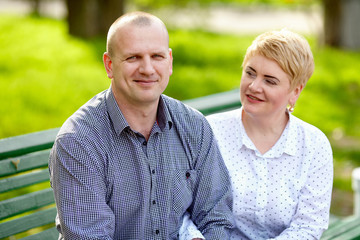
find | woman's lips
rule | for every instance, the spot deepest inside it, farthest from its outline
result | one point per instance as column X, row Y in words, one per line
column 253, row 98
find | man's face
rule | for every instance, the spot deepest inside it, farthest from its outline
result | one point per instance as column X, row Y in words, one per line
column 141, row 64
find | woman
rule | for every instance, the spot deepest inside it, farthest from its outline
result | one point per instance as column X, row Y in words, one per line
column 281, row 167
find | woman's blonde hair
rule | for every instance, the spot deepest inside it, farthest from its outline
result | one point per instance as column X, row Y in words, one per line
column 290, row 50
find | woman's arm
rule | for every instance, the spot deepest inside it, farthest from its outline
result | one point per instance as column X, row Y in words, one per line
column 312, row 215
column 188, row 230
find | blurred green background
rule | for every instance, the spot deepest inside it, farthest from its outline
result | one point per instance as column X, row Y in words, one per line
column 46, row 74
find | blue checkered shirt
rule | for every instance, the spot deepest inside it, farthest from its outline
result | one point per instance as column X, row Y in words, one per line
column 110, row 183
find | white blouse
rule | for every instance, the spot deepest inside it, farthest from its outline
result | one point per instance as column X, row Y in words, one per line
column 284, row 193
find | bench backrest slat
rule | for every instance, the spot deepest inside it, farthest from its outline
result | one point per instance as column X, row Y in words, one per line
column 19, row 145
column 27, row 222
column 339, row 228
column 24, row 163
column 19, row 181
column 216, row 102
column 48, row 234
column 27, row 202
column 354, row 233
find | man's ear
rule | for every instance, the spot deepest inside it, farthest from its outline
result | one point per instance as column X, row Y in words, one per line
column 171, row 61
column 108, row 65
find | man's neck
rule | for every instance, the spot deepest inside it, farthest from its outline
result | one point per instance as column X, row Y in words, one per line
column 140, row 118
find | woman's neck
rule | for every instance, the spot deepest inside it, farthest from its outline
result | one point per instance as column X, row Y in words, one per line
column 264, row 131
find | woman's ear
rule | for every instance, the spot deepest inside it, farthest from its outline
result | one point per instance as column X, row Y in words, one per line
column 295, row 94
column 108, row 65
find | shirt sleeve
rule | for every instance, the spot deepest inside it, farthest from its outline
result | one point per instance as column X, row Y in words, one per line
column 188, row 230
column 211, row 210
column 79, row 184
column 312, row 215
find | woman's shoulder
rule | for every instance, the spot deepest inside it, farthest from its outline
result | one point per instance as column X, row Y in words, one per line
column 224, row 117
column 308, row 131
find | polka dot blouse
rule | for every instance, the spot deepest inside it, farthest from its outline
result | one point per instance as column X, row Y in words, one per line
column 284, row 193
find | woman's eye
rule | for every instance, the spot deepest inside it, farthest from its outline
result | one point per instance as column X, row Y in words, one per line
column 270, row 82
column 250, row 74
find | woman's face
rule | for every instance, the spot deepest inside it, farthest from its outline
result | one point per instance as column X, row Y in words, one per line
column 265, row 88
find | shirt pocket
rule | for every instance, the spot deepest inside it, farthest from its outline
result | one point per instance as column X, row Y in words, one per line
column 183, row 186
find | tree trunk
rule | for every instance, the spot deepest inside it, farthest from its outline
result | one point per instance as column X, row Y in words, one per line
column 89, row 18
column 332, row 22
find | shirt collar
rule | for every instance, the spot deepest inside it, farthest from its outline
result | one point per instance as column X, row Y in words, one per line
column 291, row 139
column 244, row 139
column 119, row 122
column 163, row 115
column 287, row 142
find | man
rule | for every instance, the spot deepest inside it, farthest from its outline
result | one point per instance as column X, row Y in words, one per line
column 131, row 161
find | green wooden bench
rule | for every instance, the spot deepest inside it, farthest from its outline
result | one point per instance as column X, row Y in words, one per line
column 29, row 213
column 27, row 208
column 343, row 229
column 23, row 164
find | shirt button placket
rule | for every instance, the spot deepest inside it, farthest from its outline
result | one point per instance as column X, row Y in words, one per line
column 262, row 187
column 154, row 207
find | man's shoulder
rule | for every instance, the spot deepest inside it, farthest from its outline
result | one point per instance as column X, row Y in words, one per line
column 185, row 119
column 175, row 106
column 89, row 118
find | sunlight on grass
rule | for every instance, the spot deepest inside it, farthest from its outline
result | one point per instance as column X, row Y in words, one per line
column 45, row 74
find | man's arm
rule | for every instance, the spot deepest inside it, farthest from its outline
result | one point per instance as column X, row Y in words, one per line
column 78, row 181
column 212, row 207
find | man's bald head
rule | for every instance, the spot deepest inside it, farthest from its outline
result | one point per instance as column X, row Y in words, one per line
column 136, row 19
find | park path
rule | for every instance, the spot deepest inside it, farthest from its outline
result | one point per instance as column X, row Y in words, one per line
column 223, row 18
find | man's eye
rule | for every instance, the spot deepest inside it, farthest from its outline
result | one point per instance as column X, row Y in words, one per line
column 158, row 56
column 131, row 58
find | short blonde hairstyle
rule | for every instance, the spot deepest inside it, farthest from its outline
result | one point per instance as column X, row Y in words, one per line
column 290, row 50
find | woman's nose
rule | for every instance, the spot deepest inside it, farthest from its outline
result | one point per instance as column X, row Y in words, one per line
column 255, row 85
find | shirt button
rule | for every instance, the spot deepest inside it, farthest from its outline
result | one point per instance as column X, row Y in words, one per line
column 153, row 171
column 154, row 202
column 187, row 174
column 157, row 231
column 144, row 143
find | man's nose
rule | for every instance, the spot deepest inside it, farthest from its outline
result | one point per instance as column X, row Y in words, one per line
column 146, row 66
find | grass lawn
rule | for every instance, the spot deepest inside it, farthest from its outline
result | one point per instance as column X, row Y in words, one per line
column 45, row 75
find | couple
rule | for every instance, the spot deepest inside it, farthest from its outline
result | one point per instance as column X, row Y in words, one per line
column 135, row 164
